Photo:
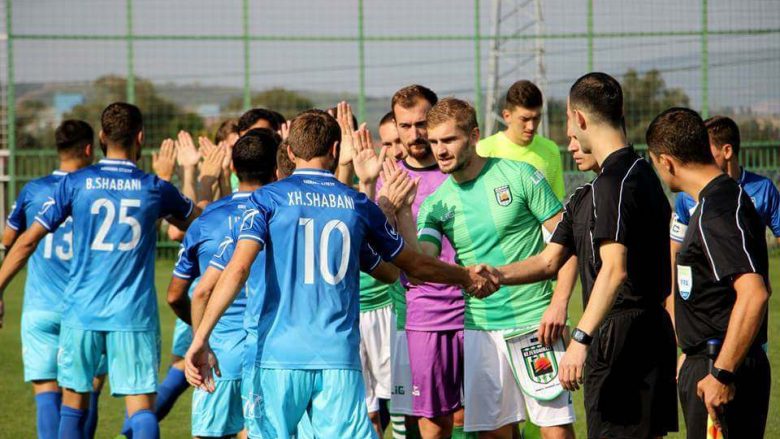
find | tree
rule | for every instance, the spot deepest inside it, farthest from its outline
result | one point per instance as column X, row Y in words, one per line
column 644, row 97
column 287, row 102
column 32, row 132
column 162, row 118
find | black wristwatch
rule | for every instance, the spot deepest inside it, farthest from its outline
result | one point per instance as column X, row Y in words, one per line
column 724, row 376
column 581, row 336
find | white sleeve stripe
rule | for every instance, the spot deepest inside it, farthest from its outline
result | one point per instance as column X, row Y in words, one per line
column 704, row 239
column 620, row 198
column 252, row 237
column 742, row 232
column 217, row 265
column 375, row 264
column 433, row 233
column 181, row 275
column 192, row 207
column 43, row 223
column 11, row 225
column 398, row 250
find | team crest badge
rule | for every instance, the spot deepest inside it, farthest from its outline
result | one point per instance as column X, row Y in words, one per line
column 503, row 195
column 540, row 363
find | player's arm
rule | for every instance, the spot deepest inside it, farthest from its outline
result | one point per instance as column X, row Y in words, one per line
column 17, row 258
column 429, row 269
column 202, row 294
column 542, row 266
column 385, row 273
column 9, row 237
column 178, row 299
column 210, row 172
column 553, row 322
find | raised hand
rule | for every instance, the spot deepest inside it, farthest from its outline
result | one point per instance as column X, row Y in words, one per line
column 212, row 163
column 344, row 118
column 365, row 160
column 186, row 153
column 206, row 145
column 227, row 160
column 200, row 365
column 284, row 130
column 164, row 161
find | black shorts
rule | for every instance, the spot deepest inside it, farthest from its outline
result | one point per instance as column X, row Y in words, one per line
column 745, row 416
column 630, row 386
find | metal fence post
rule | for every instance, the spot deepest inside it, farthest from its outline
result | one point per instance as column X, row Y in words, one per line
column 705, row 61
column 361, row 64
column 10, row 103
column 247, row 83
column 130, row 83
column 590, row 35
column 477, row 65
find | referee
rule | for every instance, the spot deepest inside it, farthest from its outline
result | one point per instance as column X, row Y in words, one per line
column 623, row 348
column 721, row 293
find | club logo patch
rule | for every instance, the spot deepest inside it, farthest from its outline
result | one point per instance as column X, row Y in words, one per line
column 684, row 281
column 503, row 195
column 540, row 363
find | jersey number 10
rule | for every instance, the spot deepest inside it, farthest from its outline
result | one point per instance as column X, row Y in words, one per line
column 308, row 242
column 99, row 243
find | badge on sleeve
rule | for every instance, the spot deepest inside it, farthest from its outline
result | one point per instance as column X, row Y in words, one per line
column 684, row 281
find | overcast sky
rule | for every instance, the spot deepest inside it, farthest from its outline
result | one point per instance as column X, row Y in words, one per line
column 744, row 68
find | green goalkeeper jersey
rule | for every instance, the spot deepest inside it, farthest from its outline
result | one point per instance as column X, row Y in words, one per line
column 495, row 219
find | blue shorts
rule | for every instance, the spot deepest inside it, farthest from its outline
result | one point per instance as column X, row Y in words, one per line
column 182, row 338
column 218, row 414
column 40, row 344
column 335, row 400
column 133, row 359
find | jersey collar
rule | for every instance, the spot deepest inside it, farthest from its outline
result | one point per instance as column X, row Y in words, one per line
column 314, row 173
column 59, row 173
column 241, row 194
column 117, row 162
column 741, row 178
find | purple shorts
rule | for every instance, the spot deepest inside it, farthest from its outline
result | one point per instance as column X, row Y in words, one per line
column 436, row 360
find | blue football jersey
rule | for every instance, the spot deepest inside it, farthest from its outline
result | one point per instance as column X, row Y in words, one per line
column 254, row 287
column 760, row 189
column 115, row 207
column 312, row 229
column 204, row 239
column 48, row 267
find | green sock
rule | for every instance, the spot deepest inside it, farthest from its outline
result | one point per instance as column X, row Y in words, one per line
column 458, row 433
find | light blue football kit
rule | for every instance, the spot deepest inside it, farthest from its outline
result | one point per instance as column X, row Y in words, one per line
column 761, row 190
column 219, row 413
column 312, row 229
column 110, row 303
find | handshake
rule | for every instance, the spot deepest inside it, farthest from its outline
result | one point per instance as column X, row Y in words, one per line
column 485, row 280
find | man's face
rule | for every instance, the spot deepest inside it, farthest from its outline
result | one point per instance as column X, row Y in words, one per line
column 585, row 161
column 410, row 123
column 452, row 148
column 523, row 121
column 720, row 157
column 661, row 164
column 573, row 128
column 388, row 136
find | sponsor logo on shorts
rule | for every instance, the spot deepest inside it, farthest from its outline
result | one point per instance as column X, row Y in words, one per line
column 540, row 363
column 252, row 404
column 503, row 195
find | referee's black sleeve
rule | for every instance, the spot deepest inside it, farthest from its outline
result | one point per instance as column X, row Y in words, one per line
column 731, row 244
column 613, row 201
column 564, row 231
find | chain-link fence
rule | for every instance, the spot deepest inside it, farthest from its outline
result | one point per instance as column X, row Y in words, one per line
column 189, row 64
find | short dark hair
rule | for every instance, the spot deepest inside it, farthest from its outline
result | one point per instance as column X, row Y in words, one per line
column 387, row 118
column 279, row 117
column 408, row 96
column 121, row 122
column 254, row 155
column 73, row 134
column 312, row 133
column 601, row 96
column 524, row 94
column 680, row 133
column 226, row 128
column 251, row 117
column 723, row 130
column 283, row 163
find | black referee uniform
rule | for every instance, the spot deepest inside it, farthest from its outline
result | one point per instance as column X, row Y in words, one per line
column 630, row 388
column 725, row 238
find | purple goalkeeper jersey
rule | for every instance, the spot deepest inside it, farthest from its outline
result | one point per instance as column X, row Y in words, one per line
column 430, row 306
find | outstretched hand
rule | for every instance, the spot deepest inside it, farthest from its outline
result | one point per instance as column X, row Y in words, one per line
column 485, row 280
column 186, row 153
column 344, row 119
column 200, row 365
column 367, row 163
column 164, row 161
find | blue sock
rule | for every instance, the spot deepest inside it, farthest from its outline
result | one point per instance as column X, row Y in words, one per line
column 90, row 425
column 169, row 391
column 144, row 425
column 127, row 432
column 48, row 405
column 72, row 423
